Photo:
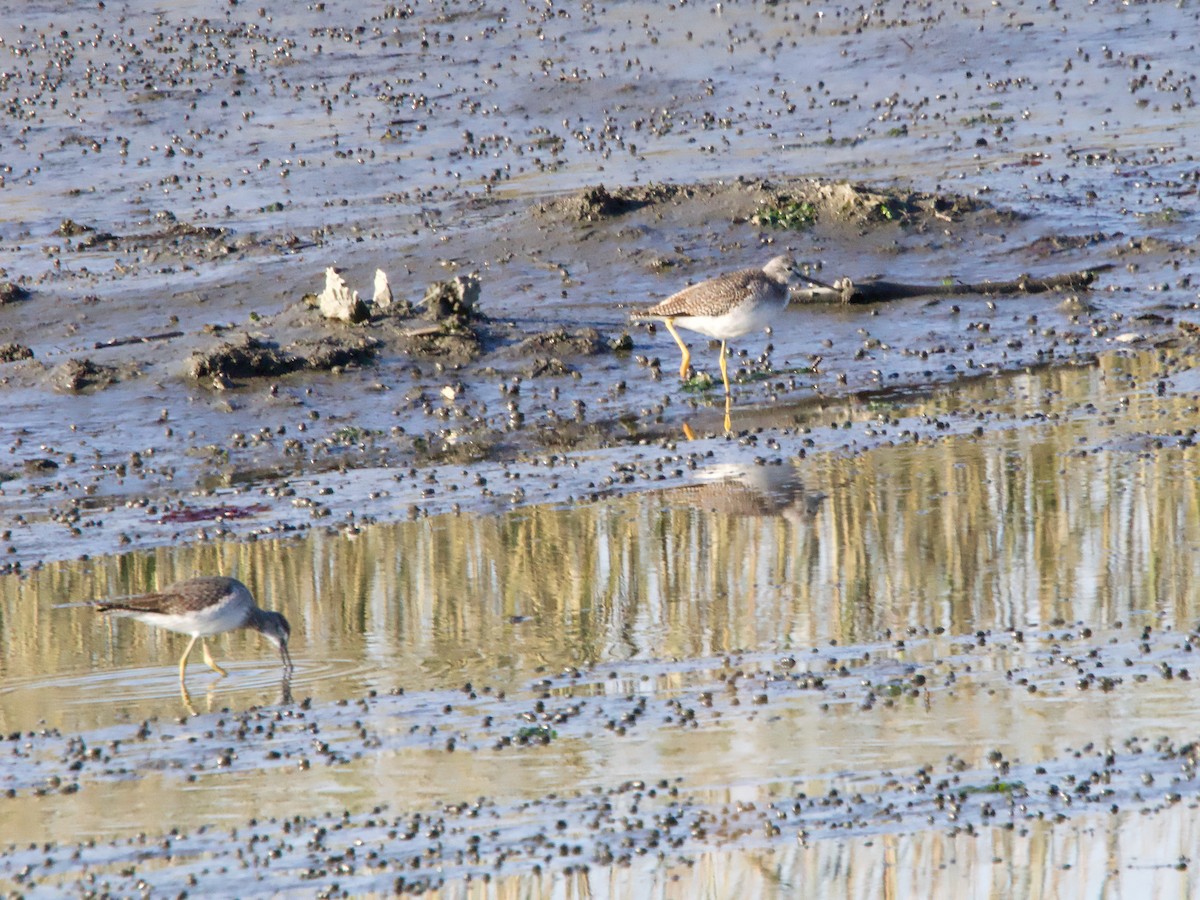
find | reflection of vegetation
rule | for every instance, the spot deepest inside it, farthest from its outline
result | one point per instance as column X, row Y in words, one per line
column 785, row 213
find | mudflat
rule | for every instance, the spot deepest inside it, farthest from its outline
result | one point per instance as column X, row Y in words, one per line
column 555, row 630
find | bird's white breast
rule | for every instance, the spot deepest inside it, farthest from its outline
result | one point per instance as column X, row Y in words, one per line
column 740, row 320
column 215, row 620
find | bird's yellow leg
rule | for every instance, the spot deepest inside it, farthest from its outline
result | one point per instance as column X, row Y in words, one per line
column 210, row 661
column 687, row 354
column 187, row 699
column 183, row 659
column 728, row 395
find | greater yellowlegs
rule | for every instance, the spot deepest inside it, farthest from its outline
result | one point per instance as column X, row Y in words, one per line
column 725, row 307
column 203, row 607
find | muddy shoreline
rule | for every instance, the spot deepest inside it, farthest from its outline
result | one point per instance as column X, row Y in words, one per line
column 297, row 394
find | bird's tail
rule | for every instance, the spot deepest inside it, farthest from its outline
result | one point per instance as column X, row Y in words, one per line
column 102, row 604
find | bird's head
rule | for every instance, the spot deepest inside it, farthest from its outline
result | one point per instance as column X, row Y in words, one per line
column 276, row 629
column 782, row 269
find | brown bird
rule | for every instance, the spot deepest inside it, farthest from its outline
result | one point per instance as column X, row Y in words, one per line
column 725, row 307
column 202, row 607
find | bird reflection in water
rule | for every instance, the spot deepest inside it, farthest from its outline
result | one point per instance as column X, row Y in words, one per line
column 210, row 694
column 743, row 491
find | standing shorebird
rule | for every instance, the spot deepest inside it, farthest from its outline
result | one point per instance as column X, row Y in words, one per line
column 725, row 307
column 202, row 607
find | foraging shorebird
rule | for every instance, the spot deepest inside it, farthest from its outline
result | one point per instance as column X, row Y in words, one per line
column 202, row 607
column 725, row 307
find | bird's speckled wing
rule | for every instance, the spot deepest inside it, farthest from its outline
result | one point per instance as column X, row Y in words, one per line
column 135, row 603
column 710, row 298
column 185, row 597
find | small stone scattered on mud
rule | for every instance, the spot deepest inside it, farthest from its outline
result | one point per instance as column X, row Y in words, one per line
column 39, row 466
column 13, row 352
column 10, row 293
column 71, row 228
column 77, row 375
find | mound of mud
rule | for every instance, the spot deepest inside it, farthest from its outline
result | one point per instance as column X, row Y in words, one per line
column 805, row 202
column 76, row 375
column 794, row 204
column 455, row 302
column 453, row 348
column 561, row 342
column 594, row 203
column 250, row 357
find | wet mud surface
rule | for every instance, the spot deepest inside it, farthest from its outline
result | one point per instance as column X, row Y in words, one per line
column 932, row 599
column 699, row 705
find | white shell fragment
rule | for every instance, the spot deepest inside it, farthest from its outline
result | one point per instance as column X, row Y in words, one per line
column 338, row 302
column 382, row 298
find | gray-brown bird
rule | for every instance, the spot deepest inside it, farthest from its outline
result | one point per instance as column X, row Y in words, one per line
column 202, row 607
column 725, row 307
